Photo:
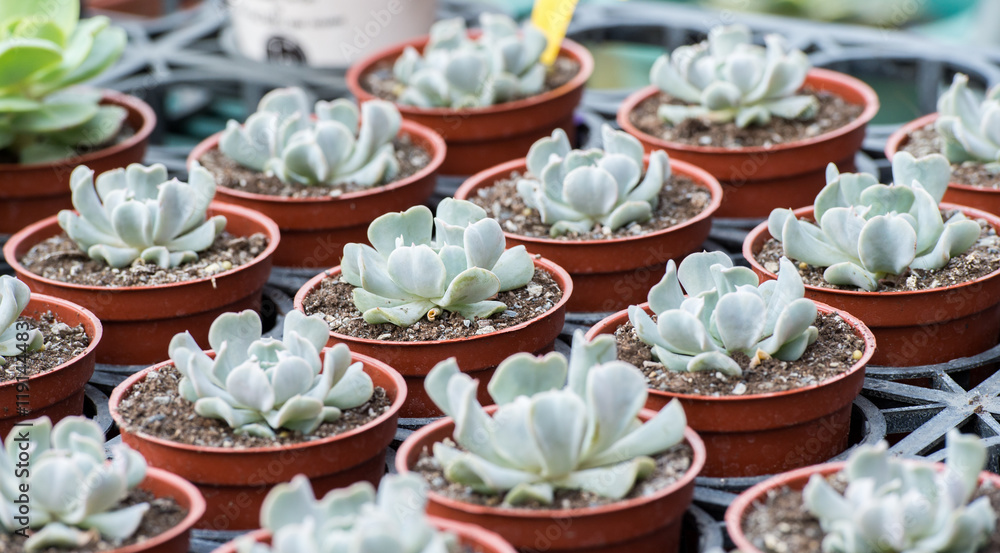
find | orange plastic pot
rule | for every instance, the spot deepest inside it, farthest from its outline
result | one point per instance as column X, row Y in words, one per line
column 647, row 524
column 479, row 138
column 31, row 192
column 612, row 274
column 476, row 355
column 758, row 179
column 139, row 321
column 314, row 230
column 757, row 434
column 57, row 393
column 236, row 481
column 740, row 508
column 913, row 328
column 140, row 8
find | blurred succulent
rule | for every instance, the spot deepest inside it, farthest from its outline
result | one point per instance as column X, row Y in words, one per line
column 969, row 130
column 575, row 189
column 408, row 275
column 71, row 492
column 865, row 230
column 896, row 505
column 728, row 78
column 14, row 338
column 571, row 425
column 282, row 138
column 45, row 48
column 351, row 520
column 259, row 385
column 726, row 312
column 458, row 72
column 136, row 213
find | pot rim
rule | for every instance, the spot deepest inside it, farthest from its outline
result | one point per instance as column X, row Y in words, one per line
column 195, row 511
column 558, row 273
column 871, row 107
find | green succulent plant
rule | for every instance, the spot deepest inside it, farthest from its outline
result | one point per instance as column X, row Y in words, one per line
column 865, row 230
column 45, row 48
column 728, row 78
column 351, row 520
column 456, row 71
column 560, row 424
column 727, row 311
column 260, row 385
column 969, row 129
column 323, row 147
column 14, row 297
column 575, row 189
column 136, row 213
column 894, row 505
column 408, row 275
column 71, row 491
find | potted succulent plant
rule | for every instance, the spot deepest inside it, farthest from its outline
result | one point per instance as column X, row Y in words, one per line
column 874, row 503
column 759, row 119
column 256, row 411
column 610, row 217
column 486, row 93
column 47, row 352
column 745, row 361
column 150, row 257
column 59, row 493
column 322, row 178
column 439, row 286
column 964, row 130
column 919, row 274
column 568, row 445
column 356, row 519
column 48, row 128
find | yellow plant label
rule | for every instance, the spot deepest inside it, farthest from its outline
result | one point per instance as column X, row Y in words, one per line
column 552, row 17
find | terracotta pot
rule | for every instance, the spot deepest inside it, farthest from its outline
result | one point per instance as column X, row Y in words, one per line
column 477, row 356
column 647, row 524
column 612, row 274
column 479, row 138
column 30, row 192
column 236, row 481
column 913, row 328
column 139, row 321
column 757, row 434
column 141, row 8
column 758, row 179
column 57, row 393
column 314, row 230
column 796, row 480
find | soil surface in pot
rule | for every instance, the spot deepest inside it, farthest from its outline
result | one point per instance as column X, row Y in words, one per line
column 412, row 158
column 334, row 300
column 163, row 413
column 10, row 156
column 926, row 141
column 59, row 258
column 834, row 112
column 164, row 513
column 671, row 465
column 832, row 354
column 782, row 524
column 380, row 82
column 62, row 343
column 680, row 199
column 980, row 260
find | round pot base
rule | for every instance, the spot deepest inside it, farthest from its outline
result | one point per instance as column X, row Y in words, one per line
column 750, row 198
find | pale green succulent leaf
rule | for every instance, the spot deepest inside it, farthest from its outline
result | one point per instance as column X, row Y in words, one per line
column 887, row 244
column 714, row 361
column 401, row 315
column 956, row 238
column 414, row 226
column 56, row 535
column 738, row 320
column 354, row 389
column 663, row 431
column 557, row 430
column 523, row 374
column 851, row 274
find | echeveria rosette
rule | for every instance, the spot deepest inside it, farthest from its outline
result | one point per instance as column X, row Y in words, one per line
column 455, row 261
column 728, row 78
column 727, row 311
column 332, row 144
column 969, row 129
column 560, row 424
column 261, row 385
column 894, row 505
column 45, row 48
column 136, row 213
column 575, row 189
column 14, row 298
column 73, row 492
column 865, row 230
